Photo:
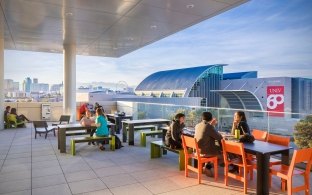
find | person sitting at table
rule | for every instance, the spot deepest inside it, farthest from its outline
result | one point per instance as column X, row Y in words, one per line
column 102, row 129
column 19, row 118
column 82, row 110
column 87, row 120
column 206, row 136
column 6, row 113
column 173, row 135
column 240, row 123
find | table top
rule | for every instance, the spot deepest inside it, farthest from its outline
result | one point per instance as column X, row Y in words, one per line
column 78, row 125
column 265, row 147
column 116, row 115
column 158, row 120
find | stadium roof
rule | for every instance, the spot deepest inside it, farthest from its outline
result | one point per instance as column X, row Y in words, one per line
column 179, row 79
column 240, row 99
column 109, row 28
column 240, row 75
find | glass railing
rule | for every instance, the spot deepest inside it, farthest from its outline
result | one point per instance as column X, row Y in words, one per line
column 273, row 122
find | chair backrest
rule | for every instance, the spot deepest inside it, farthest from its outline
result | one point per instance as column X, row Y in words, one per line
column 233, row 148
column 190, row 143
column 259, row 134
column 277, row 139
column 64, row 118
column 299, row 156
column 40, row 124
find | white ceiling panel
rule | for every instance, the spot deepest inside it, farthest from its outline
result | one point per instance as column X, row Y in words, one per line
column 101, row 27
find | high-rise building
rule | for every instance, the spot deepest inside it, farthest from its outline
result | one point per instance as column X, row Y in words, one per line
column 35, row 80
column 8, row 84
column 15, row 86
column 27, row 85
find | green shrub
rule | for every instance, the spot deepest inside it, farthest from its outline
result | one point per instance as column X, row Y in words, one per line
column 303, row 133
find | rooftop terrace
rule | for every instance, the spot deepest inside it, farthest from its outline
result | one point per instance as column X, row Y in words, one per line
column 35, row 166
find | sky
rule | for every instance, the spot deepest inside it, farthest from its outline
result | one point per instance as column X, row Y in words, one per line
column 271, row 37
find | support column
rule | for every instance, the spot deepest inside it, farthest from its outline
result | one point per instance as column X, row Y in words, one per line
column 69, row 77
column 1, row 80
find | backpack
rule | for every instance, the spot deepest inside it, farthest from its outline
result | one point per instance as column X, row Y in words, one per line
column 118, row 144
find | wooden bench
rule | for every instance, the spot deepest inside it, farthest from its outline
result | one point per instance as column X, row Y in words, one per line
column 158, row 148
column 75, row 140
column 148, row 133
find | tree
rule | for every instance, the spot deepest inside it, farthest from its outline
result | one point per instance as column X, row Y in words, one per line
column 303, row 133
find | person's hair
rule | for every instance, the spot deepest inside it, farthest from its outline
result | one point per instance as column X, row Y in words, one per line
column 178, row 116
column 242, row 115
column 207, row 116
column 13, row 111
column 99, row 111
column 8, row 107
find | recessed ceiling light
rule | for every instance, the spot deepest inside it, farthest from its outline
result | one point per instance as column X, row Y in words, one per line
column 153, row 26
column 130, row 38
column 68, row 14
column 115, row 48
column 189, row 6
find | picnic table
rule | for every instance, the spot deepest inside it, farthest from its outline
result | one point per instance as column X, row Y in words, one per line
column 62, row 129
column 132, row 123
column 117, row 120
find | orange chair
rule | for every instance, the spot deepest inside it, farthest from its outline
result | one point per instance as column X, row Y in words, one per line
column 191, row 143
column 286, row 172
column 259, row 134
column 229, row 148
column 279, row 140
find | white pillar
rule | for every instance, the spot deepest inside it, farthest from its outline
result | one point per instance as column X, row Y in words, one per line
column 69, row 77
column 1, row 80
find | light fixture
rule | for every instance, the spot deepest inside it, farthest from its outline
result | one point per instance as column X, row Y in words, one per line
column 68, row 13
column 130, row 38
column 189, row 6
column 153, row 26
column 115, row 48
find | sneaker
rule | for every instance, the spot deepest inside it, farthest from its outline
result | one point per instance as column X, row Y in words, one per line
column 102, row 148
column 89, row 143
column 93, row 143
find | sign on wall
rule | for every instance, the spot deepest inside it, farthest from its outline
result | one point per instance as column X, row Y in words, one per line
column 275, row 100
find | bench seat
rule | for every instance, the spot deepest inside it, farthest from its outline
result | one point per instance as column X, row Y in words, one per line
column 142, row 127
column 148, row 133
column 110, row 138
column 77, row 132
column 158, row 148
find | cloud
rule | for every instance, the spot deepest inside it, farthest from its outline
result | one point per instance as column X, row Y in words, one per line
column 273, row 38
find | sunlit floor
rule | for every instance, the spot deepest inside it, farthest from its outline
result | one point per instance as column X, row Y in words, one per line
column 35, row 166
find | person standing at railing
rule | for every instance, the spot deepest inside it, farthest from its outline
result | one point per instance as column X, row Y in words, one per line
column 173, row 135
column 240, row 123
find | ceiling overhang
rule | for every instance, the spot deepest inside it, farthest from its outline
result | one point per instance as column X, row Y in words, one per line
column 110, row 28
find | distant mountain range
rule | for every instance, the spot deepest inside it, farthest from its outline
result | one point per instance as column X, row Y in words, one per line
column 109, row 85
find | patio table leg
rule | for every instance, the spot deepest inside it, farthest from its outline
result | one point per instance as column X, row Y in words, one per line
column 124, row 132
column 62, row 140
column 263, row 161
column 131, row 134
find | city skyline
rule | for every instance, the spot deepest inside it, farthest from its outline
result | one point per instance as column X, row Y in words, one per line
column 273, row 39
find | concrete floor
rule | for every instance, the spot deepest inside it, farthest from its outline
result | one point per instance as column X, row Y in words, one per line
column 35, row 166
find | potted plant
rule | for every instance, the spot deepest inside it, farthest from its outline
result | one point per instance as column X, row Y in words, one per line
column 303, row 133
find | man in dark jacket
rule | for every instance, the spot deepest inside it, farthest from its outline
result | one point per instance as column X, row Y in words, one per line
column 206, row 137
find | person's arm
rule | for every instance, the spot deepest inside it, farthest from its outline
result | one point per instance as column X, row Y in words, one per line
column 213, row 133
column 245, row 128
column 234, row 126
column 175, row 132
column 97, row 122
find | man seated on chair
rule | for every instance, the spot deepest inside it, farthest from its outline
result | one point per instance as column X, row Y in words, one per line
column 6, row 113
column 206, row 136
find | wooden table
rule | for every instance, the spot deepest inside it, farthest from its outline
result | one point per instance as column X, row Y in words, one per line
column 62, row 129
column 117, row 118
column 263, row 151
column 133, row 123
